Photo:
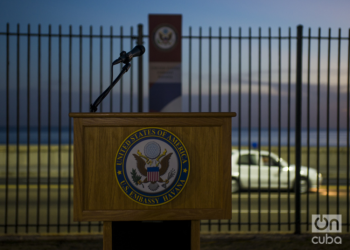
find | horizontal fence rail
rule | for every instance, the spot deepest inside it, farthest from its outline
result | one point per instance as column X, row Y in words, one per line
column 46, row 75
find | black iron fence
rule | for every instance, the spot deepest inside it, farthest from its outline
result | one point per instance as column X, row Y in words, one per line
column 290, row 92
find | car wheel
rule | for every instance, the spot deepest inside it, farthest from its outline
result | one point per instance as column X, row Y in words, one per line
column 235, row 186
column 304, row 185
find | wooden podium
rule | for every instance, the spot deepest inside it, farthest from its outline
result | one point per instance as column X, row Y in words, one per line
column 98, row 196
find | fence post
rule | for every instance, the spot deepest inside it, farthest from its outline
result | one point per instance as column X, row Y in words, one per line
column 140, row 68
column 298, row 101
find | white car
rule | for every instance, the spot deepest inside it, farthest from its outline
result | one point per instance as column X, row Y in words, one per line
column 245, row 160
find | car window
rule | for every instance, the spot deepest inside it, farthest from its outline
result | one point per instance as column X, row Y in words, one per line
column 246, row 159
column 269, row 161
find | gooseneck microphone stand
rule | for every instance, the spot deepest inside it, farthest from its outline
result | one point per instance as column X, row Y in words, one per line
column 124, row 58
column 93, row 107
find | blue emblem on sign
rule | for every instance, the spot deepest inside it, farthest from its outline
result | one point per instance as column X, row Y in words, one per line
column 152, row 166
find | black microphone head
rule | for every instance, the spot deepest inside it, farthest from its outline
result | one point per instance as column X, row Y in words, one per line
column 137, row 51
column 142, row 48
column 127, row 57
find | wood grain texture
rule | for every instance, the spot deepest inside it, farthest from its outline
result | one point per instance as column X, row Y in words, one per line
column 149, row 214
column 107, row 235
column 78, row 173
column 195, row 235
column 207, row 195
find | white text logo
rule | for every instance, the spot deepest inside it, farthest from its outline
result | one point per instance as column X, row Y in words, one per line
column 326, row 223
column 326, row 240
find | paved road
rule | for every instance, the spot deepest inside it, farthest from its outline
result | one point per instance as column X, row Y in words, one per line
column 275, row 212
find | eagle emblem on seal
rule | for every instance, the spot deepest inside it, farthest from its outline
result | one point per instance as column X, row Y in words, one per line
column 165, row 37
column 152, row 166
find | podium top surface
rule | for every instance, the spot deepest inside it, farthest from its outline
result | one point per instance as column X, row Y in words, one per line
column 153, row 115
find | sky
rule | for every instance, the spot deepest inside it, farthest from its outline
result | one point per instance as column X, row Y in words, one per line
column 236, row 14
column 204, row 13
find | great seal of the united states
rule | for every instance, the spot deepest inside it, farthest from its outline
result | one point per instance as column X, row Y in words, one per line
column 152, row 166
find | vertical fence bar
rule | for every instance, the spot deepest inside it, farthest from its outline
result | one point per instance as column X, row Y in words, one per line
column 308, row 127
column 259, row 132
column 39, row 97
column 80, row 66
column 239, row 116
column 70, row 128
column 59, row 125
column 90, row 80
column 229, row 69
column 220, row 69
column 200, row 70
column 7, row 122
column 140, row 68
column 121, row 80
column 190, row 70
column 101, row 87
column 328, row 95
column 210, row 69
column 298, row 99
column 111, row 72
column 288, row 119
column 17, row 126
column 101, row 69
column 229, row 86
column 318, row 119
column 279, row 127
column 90, row 91
column 249, row 120
column 48, row 142
column 131, row 72
column 269, row 139
column 28, row 125
column 338, row 120
column 80, row 81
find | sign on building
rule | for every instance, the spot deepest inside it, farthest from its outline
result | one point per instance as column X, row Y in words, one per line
column 165, row 63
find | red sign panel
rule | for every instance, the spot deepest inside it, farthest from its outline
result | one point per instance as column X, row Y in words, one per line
column 165, row 63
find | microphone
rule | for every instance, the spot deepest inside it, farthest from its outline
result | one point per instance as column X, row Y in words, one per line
column 127, row 57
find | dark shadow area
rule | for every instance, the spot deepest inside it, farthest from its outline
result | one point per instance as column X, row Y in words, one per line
column 237, row 241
